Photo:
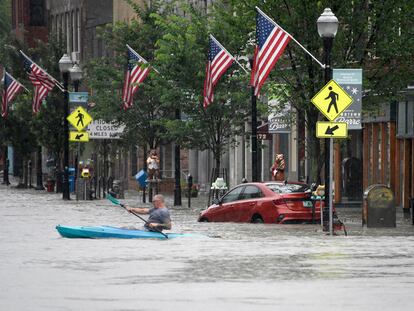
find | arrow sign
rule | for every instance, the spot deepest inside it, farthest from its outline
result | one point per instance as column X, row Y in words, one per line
column 331, row 129
column 331, row 100
column 79, row 136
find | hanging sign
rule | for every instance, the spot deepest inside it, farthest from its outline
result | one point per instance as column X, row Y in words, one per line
column 351, row 81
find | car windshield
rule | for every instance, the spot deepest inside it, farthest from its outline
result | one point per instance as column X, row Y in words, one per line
column 288, row 188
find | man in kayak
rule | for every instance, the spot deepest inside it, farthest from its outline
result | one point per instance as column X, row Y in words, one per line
column 159, row 216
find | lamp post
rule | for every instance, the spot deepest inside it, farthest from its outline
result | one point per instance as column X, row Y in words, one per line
column 76, row 76
column 5, row 154
column 177, row 174
column 65, row 63
column 327, row 28
column 254, row 130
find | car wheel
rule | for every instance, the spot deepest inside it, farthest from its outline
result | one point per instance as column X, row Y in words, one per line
column 257, row 219
column 204, row 219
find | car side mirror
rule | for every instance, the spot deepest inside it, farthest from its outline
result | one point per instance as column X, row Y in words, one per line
column 215, row 201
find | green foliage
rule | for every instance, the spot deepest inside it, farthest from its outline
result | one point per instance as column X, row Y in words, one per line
column 143, row 121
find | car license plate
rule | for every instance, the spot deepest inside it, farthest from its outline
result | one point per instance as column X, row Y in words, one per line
column 307, row 204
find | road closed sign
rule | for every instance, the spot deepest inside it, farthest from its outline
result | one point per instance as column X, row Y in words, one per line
column 99, row 129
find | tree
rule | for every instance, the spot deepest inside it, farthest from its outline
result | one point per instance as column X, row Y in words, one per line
column 181, row 56
column 376, row 36
column 144, row 120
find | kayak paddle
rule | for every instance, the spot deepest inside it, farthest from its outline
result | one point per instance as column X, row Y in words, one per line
column 116, row 202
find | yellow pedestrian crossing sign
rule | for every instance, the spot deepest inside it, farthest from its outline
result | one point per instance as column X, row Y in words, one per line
column 332, row 100
column 79, row 136
column 331, row 129
column 79, row 118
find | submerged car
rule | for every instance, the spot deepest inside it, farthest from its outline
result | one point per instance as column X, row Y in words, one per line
column 265, row 202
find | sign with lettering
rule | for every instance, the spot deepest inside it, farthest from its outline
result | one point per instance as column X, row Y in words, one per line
column 78, row 97
column 279, row 121
column 351, row 81
column 100, row 129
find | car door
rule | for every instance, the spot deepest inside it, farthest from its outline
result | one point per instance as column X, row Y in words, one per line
column 224, row 212
column 244, row 207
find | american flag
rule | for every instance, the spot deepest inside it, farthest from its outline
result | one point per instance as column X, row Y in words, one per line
column 134, row 75
column 271, row 42
column 10, row 90
column 42, row 82
column 219, row 60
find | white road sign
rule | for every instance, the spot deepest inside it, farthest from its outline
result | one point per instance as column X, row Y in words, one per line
column 99, row 129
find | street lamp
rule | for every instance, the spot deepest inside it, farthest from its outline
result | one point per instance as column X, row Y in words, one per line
column 65, row 63
column 76, row 75
column 327, row 28
column 177, row 165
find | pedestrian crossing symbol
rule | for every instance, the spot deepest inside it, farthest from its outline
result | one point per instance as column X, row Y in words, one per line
column 332, row 100
column 79, row 118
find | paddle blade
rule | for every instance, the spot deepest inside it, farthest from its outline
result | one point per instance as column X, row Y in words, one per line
column 112, row 199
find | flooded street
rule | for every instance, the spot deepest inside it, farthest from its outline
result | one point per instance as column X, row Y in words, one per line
column 232, row 266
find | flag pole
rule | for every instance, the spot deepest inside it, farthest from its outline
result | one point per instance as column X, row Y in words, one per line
column 218, row 43
column 57, row 83
column 274, row 23
column 141, row 58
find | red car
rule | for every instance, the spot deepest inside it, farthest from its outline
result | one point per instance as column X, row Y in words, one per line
column 267, row 202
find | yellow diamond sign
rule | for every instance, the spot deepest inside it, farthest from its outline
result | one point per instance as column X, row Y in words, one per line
column 331, row 100
column 79, row 118
column 79, row 136
column 331, row 129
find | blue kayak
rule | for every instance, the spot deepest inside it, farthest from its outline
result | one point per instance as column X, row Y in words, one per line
column 102, row 232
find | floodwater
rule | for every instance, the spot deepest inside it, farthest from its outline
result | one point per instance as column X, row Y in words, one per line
column 235, row 266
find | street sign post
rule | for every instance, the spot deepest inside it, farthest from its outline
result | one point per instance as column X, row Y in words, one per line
column 331, row 129
column 331, row 100
column 79, row 118
column 81, row 137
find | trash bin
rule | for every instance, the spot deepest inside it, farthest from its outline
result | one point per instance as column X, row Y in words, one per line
column 141, row 178
column 379, row 207
column 71, row 179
